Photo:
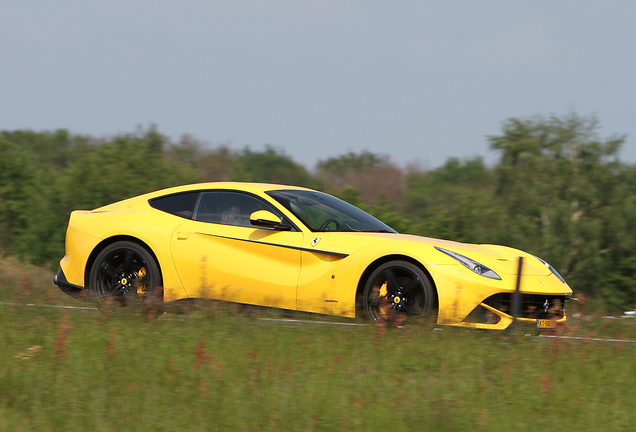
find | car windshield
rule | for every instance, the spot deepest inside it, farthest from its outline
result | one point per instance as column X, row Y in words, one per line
column 322, row 212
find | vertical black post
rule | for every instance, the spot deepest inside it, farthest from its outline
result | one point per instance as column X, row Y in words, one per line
column 516, row 297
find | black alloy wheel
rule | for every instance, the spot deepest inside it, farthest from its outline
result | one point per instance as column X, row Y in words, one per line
column 397, row 293
column 123, row 276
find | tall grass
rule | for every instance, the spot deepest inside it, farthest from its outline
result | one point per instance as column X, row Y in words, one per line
column 220, row 370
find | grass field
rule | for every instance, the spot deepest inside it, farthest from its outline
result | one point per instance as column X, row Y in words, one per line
column 221, row 368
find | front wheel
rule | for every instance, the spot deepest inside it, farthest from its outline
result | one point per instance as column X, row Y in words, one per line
column 123, row 276
column 397, row 293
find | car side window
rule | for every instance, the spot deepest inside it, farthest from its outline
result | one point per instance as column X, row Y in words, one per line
column 181, row 204
column 229, row 208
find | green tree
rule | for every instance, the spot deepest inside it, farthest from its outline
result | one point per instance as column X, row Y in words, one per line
column 561, row 186
column 453, row 202
column 212, row 164
column 375, row 177
column 269, row 166
column 44, row 176
column 126, row 166
column 17, row 186
column 32, row 199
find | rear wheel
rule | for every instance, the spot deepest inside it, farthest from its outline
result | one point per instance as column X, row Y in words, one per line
column 123, row 276
column 397, row 293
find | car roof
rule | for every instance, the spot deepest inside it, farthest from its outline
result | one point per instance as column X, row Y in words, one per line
column 247, row 187
column 256, row 188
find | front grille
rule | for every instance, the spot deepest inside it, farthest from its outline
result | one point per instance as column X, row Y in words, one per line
column 532, row 306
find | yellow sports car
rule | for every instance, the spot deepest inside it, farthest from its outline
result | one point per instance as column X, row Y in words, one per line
column 299, row 249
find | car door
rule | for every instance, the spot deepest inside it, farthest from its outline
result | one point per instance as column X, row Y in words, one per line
column 220, row 255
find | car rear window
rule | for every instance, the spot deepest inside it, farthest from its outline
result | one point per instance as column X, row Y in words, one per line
column 178, row 204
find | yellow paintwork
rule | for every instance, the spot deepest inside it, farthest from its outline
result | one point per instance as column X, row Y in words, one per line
column 214, row 261
column 299, row 270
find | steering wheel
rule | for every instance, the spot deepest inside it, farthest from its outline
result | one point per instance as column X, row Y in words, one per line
column 327, row 222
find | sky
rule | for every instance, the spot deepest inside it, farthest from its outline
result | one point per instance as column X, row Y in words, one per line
column 418, row 81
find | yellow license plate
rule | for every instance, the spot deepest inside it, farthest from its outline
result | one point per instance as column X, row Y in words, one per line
column 546, row 323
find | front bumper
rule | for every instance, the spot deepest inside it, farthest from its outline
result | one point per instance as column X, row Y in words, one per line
column 542, row 311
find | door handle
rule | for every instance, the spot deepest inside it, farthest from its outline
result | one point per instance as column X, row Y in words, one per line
column 182, row 236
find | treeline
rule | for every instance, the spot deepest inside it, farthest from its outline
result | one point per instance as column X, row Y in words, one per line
column 558, row 191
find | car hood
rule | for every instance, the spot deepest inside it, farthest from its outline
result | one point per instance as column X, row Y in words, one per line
column 501, row 259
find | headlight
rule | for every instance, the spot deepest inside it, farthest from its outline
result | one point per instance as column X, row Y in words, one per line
column 471, row 265
column 556, row 273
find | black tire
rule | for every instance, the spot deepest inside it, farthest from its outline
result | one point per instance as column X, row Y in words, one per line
column 397, row 293
column 123, row 276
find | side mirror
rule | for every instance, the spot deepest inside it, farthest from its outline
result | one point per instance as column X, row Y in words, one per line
column 267, row 219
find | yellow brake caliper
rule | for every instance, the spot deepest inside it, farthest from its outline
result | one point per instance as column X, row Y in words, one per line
column 141, row 289
column 383, row 300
